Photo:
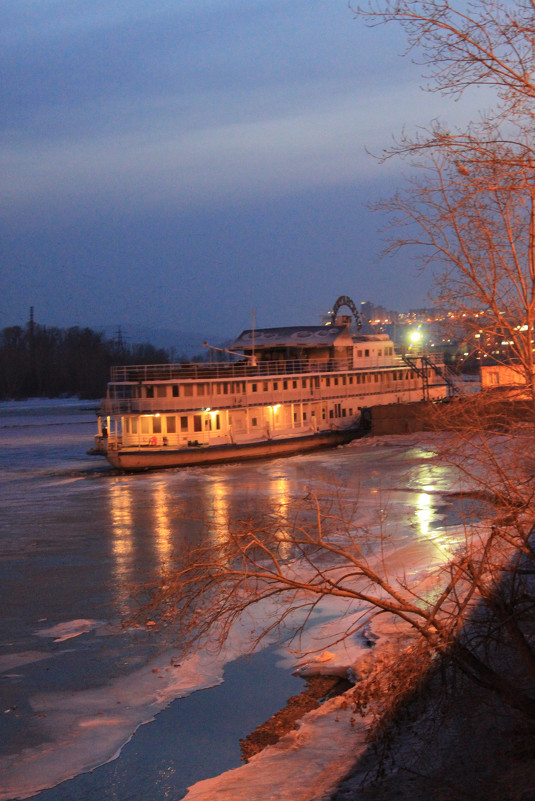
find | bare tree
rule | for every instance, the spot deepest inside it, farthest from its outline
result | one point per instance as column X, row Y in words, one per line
column 298, row 556
column 469, row 208
column 469, row 214
column 461, row 45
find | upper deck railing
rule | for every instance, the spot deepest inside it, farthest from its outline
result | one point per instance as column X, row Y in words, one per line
column 201, row 371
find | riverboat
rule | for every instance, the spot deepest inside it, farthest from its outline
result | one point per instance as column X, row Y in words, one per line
column 281, row 391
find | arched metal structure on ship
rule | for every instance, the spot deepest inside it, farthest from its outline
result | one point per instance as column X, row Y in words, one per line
column 344, row 300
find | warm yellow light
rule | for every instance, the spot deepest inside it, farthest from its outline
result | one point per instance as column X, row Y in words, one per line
column 415, row 336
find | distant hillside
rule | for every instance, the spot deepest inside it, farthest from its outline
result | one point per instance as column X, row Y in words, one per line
column 180, row 343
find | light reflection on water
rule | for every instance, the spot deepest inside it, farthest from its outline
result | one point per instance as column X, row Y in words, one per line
column 121, row 519
column 217, row 508
column 163, row 541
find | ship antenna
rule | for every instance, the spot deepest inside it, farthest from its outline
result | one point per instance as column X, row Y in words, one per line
column 253, row 360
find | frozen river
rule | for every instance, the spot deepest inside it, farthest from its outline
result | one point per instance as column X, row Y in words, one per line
column 76, row 537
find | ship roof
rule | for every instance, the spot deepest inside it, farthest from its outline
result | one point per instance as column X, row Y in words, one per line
column 307, row 336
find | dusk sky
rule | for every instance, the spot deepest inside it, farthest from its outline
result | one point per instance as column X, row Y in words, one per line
column 176, row 164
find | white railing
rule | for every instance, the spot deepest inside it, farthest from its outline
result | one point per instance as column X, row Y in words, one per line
column 225, row 371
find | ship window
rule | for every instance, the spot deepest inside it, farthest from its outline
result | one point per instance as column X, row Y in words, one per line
column 304, row 416
column 197, row 422
column 218, row 421
column 156, row 425
column 254, row 387
column 336, row 381
column 350, row 379
column 367, row 352
column 350, row 411
column 344, row 380
column 304, row 383
column 376, row 378
column 175, row 390
column 134, row 425
column 161, row 390
column 359, row 354
column 317, row 381
column 225, row 388
column 295, row 417
column 328, row 381
column 331, row 414
column 275, row 385
column 144, row 425
column 344, row 412
column 294, row 384
column 188, row 390
column 379, row 352
column 150, row 392
column 323, row 414
column 266, row 387
column 254, row 421
column 183, row 423
column 285, row 384
column 170, row 425
column 200, row 389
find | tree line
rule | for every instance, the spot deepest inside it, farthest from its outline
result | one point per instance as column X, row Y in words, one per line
column 39, row 361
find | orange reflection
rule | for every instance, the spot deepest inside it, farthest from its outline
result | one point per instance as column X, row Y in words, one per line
column 282, row 493
column 121, row 502
column 162, row 525
column 218, row 510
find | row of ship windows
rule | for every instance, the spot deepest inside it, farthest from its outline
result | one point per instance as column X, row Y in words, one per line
column 240, row 387
column 169, row 424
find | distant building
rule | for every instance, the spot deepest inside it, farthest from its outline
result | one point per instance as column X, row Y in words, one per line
column 504, row 376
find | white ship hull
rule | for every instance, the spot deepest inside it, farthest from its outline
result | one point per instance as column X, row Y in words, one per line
column 150, row 458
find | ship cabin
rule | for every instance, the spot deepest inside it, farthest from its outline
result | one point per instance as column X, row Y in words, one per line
column 315, row 347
